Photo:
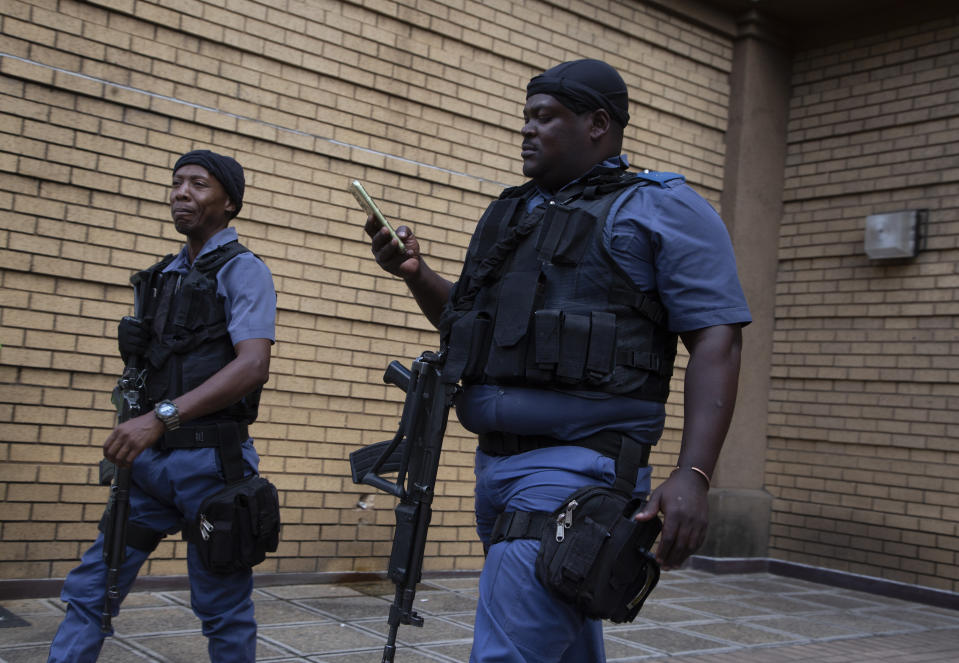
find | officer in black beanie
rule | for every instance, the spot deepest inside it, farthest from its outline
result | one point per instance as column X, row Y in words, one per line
column 563, row 329
column 202, row 341
column 224, row 170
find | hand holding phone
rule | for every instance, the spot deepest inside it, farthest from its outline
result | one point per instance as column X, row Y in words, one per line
column 366, row 202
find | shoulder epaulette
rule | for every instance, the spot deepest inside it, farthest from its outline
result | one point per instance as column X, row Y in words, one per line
column 659, row 177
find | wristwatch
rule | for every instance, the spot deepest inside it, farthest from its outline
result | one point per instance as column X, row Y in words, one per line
column 167, row 412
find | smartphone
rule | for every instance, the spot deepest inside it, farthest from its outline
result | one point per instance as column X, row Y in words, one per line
column 363, row 198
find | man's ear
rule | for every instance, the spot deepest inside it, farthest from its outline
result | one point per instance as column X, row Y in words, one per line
column 600, row 124
column 230, row 208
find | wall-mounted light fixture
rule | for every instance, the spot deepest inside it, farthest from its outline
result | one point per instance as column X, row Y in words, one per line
column 895, row 234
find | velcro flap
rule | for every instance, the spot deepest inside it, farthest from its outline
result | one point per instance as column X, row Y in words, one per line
column 582, row 552
column 565, row 235
column 602, row 345
column 547, row 323
column 574, row 344
column 518, row 291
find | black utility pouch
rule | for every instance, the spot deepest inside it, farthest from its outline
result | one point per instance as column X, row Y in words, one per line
column 595, row 556
column 236, row 527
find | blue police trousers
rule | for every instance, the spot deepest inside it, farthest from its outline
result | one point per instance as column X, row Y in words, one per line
column 517, row 619
column 166, row 487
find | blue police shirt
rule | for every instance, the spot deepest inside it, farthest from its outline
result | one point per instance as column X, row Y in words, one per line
column 667, row 238
column 246, row 285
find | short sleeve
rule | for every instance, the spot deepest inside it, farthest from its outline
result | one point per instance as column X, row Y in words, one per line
column 246, row 284
column 670, row 239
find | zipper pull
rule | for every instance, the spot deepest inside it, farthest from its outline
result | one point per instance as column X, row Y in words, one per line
column 568, row 521
column 206, row 527
column 565, row 520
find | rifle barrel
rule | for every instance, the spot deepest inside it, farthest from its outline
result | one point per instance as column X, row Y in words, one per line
column 414, row 455
column 115, row 544
column 128, row 399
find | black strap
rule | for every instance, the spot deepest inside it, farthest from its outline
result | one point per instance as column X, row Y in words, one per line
column 511, row 525
column 608, row 443
column 198, row 437
column 646, row 303
column 231, row 454
column 226, row 436
column 496, row 257
column 210, row 263
column 632, row 457
column 644, row 360
column 139, row 537
column 162, row 301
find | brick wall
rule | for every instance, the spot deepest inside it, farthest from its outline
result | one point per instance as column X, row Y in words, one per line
column 422, row 100
column 862, row 457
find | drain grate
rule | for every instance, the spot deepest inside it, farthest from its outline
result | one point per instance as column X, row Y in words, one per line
column 10, row 620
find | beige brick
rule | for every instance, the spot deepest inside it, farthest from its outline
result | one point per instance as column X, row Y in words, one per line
column 33, row 531
column 55, row 512
column 16, row 511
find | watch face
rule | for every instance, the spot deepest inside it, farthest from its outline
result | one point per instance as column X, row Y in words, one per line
column 166, row 409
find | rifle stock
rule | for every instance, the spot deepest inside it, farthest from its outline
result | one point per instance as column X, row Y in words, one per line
column 414, row 454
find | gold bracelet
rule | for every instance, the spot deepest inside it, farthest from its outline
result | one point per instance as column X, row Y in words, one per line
column 697, row 471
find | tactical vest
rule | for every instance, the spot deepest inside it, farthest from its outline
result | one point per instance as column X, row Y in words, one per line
column 189, row 336
column 540, row 301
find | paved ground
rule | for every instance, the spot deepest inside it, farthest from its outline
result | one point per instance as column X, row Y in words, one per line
column 692, row 617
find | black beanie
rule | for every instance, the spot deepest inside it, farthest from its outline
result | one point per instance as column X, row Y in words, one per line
column 225, row 169
column 585, row 85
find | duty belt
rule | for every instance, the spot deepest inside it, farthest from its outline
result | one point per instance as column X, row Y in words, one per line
column 630, row 456
column 210, row 435
column 225, row 436
column 608, row 443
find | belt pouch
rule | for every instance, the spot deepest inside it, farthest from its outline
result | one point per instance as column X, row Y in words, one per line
column 594, row 556
column 236, row 526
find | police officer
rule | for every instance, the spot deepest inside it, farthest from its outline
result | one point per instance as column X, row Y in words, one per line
column 563, row 328
column 205, row 334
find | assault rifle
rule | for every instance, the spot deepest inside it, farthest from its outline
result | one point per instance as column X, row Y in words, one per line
column 128, row 399
column 414, row 454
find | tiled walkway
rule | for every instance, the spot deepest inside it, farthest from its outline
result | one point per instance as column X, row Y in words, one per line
column 692, row 617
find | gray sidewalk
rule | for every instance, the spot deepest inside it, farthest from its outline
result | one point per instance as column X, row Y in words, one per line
column 693, row 616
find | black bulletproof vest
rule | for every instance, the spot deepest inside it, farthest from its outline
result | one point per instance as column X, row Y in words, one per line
column 189, row 336
column 541, row 302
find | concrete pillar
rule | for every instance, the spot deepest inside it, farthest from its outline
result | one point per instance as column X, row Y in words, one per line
column 752, row 209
